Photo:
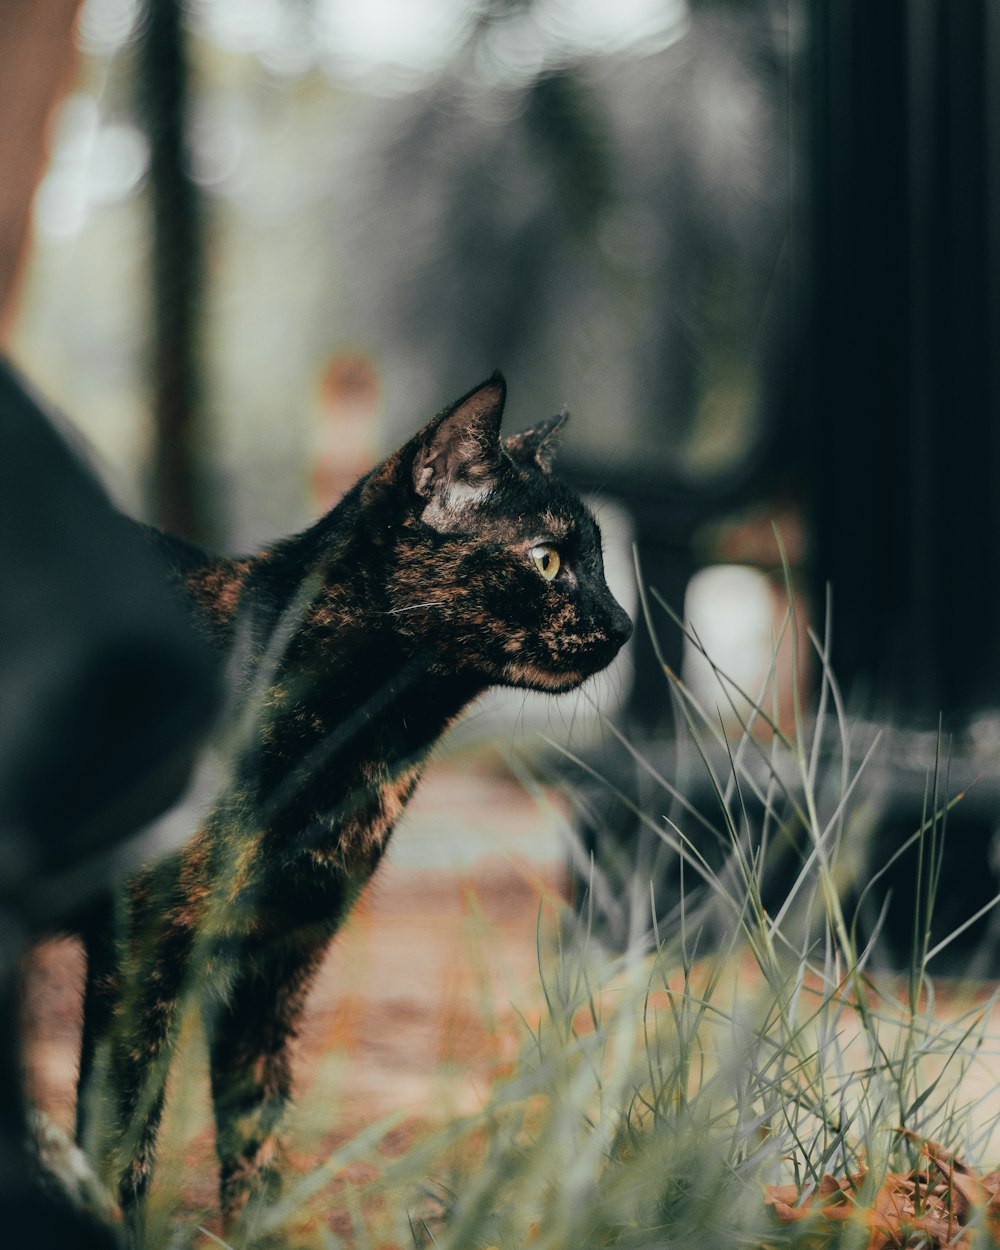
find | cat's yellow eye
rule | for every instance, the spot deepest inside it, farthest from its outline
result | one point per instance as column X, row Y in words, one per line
column 546, row 560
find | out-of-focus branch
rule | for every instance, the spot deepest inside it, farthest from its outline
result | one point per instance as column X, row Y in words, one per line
column 37, row 54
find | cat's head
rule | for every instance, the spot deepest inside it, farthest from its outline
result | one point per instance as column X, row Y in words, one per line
column 497, row 565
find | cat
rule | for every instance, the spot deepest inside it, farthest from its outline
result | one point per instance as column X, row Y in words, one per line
column 457, row 564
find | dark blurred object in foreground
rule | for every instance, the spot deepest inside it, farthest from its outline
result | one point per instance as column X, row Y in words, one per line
column 106, row 696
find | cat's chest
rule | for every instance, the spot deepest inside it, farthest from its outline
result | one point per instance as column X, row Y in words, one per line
column 310, row 873
column 318, row 762
column 339, row 755
column 332, row 772
column 354, row 829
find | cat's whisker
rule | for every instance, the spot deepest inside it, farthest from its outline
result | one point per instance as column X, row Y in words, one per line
column 412, row 607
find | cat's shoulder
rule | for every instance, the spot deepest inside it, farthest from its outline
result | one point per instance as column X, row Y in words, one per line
column 178, row 555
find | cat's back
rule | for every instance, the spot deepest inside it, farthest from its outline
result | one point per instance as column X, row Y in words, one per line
column 210, row 584
column 178, row 556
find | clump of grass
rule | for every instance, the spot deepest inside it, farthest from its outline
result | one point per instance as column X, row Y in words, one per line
column 744, row 1066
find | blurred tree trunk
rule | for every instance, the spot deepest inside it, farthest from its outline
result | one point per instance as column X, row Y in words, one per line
column 177, row 272
column 37, row 55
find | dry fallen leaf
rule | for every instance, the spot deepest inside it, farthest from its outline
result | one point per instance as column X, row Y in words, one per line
column 938, row 1203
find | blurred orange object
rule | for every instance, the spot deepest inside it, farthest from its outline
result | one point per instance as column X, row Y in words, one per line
column 37, row 56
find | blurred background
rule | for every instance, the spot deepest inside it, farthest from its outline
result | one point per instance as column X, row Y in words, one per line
column 753, row 245
column 273, row 238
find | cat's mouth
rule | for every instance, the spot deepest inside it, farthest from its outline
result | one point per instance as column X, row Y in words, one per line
column 561, row 676
column 551, row 681
column 567, row 656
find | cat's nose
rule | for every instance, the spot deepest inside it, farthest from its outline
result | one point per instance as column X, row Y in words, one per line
column 620, row 627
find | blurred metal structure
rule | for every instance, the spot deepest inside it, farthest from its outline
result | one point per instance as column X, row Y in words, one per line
column 902, row 384
column 901, row 370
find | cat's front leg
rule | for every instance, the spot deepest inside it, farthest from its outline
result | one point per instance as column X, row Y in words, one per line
column 134, row 981
column 249, row 1042
column 141, row 1040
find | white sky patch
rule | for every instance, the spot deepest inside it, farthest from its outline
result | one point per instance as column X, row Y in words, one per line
column 600, row 26
column 92, row 163
column 412, row 34
column 105, row 25
column 360, row 40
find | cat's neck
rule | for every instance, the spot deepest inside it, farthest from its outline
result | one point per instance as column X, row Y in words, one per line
column 340, row 698
column 345, row 735
column 344, row 699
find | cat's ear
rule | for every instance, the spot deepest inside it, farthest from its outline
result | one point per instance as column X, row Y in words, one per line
column 539, row 444
column 459, row 452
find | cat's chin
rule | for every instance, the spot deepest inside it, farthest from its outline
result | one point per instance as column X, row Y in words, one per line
column 530, row 677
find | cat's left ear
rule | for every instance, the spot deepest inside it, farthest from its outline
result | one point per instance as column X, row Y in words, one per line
column 458, row 455
column 539, row 444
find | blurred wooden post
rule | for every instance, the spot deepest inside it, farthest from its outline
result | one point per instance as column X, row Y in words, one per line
column 37, row 55
column 177, row 255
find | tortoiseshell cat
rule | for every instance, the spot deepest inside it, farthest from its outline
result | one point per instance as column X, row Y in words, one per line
column 457, row 564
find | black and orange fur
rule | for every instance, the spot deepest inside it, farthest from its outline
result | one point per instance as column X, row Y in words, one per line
column 357, row 643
